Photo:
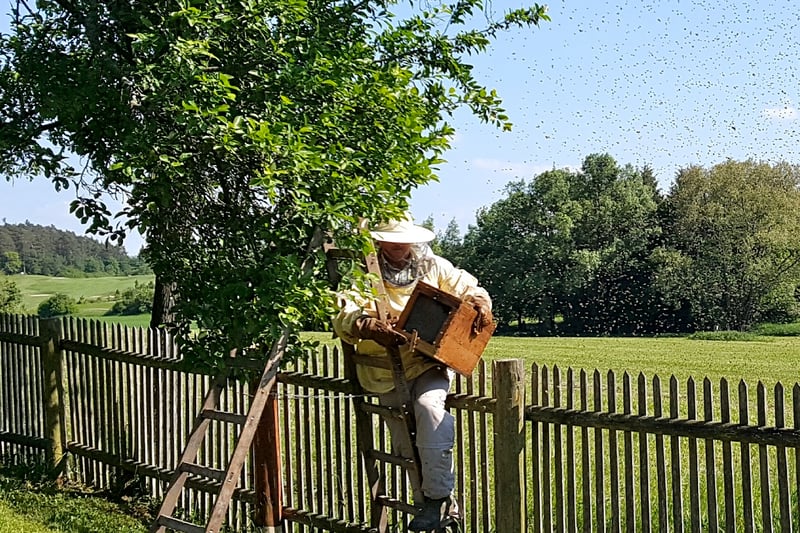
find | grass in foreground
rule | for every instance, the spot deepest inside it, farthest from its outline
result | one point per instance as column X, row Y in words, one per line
column 11, row 522
column 768, row 359
column 41, row 507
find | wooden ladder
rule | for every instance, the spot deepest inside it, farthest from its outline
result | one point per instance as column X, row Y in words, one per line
column 375, row 460
column 248, row 424
column 227, row 479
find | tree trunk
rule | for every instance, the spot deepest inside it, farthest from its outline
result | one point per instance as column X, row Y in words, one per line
column 163, row 299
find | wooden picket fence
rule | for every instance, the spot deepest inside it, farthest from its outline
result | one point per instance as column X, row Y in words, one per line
column 585, row 452
column 634, row 456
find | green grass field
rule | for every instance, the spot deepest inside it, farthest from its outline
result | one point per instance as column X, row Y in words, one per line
column 97, row 294
column 761, row 357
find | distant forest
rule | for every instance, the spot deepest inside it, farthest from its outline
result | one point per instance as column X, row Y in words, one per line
column 32, row 249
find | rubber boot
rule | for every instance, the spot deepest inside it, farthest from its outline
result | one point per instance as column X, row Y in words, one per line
column 435, row 515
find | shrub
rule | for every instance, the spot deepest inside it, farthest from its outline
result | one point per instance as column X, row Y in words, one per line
column 135, row 301
column 778, row 330
column 58, row 305
column 724, row 335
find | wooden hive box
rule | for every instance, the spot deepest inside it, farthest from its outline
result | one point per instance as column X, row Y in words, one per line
column 443, row 323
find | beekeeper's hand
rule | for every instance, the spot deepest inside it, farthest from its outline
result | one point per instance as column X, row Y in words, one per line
column 483, row 305
column 366, row 327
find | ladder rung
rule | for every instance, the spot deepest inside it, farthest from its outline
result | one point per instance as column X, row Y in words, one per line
column 394, row 503
column 402, row 462
column 224, row 416
column 203, row 471
column 382, row 410
column 179, row 525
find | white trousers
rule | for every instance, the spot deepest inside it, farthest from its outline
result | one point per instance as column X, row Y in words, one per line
column 435, row 430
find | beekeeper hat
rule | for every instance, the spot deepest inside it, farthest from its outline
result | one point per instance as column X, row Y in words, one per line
column 402, row 231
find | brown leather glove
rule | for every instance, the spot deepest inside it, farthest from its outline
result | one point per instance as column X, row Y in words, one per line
column 484, row 307
column 367, row 327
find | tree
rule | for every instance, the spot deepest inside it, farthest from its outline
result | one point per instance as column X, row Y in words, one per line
column 614, row 236
column 238, row 130
column 511, row 251
column 733, row 249
column 571, row 244
column 34, row 249
column 10, row 262
column 447, row 243
column 10, row 296
column 57, row 305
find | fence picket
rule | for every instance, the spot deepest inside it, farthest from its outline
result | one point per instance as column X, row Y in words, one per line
column 711, row 463
column 483, row 511
column 571, row 487
column 585, row 455
column 727, row 458
column 796, row 425
column 558, row 457
column 747, row 473
column 599, row 458
column 627, row 436
column 763, row 461
column 782, row 467
column 645, row 526
column 471, row 455
column 613, row 457
column 675, row 460
column 535, row 436
column 693, row 460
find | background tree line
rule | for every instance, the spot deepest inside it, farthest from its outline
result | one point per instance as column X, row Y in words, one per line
column 32, row 249
column 601, row 251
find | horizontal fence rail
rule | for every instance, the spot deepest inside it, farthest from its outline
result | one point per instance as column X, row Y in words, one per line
column 585, row 451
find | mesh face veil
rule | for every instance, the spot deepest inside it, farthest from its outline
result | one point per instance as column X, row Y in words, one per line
column 418, row 264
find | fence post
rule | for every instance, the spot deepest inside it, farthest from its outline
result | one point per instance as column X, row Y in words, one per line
column 266, row 447
column 53, row 395
column 508, row 380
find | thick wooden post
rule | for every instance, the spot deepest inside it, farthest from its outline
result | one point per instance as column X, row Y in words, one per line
column 54, row 396
column 508, row 379
column 267, row 467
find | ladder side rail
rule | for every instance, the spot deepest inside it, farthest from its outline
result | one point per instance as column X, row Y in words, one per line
column 365, row 438
column 248, row 431
column 399, row 378
column 189, row 454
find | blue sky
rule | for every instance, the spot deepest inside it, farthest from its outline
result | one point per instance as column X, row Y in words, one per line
column 666, row 83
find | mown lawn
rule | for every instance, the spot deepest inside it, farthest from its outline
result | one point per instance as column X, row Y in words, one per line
column 769, row 359
column 97, row 294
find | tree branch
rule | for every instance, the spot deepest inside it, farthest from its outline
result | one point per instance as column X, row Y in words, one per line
column 81, row 19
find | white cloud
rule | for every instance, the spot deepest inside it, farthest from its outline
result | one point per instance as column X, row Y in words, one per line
column 786, row 112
